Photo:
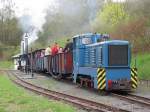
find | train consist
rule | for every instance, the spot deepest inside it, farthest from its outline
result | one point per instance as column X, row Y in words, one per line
column 95, row 61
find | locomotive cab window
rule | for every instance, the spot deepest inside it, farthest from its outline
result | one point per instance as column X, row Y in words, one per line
column 98, row 40
column 86, row 40
column 118, row 55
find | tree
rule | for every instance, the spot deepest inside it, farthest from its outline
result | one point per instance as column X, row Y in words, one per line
column 110, row 16
column 10, row 31
column 128, row 20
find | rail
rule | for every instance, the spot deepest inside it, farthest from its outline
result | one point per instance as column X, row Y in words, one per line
column 84, row 103
column 134, row 99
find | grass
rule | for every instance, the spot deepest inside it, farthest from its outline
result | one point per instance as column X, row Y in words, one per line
column 16, row 99
column 4, row 64
column 143, row 65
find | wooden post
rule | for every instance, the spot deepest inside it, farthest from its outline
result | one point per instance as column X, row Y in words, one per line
column 32, row 64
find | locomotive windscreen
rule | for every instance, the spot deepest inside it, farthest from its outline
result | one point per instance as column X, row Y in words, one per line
column 118, row 55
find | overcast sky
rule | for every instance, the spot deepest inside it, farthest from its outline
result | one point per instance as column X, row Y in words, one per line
column 34, row 8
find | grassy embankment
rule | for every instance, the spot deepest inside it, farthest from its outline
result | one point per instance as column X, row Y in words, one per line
column 16, row 99
column 6, row 64
column 143, row 65
column 6, row 53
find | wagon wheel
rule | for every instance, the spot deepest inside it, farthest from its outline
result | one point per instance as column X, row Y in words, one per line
column 56, row 75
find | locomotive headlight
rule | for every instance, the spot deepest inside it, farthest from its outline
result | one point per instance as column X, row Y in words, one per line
column 109, row 84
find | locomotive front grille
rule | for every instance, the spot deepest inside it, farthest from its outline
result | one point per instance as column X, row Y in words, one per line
column 118, row 55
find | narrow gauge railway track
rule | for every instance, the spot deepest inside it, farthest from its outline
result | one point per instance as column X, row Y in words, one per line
column 134, row 99
column 86, row 104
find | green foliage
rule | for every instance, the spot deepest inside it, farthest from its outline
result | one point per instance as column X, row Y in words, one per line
column 61, row 42
column 6, row 52
column 113, row 14
column 37, row 45
column 143, row 64
column 15, row 99
column 128, row 20
column 6, row 64
column 10, row 31
column 109, row 17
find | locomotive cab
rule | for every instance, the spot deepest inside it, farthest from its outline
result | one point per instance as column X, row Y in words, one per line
column 116, row 64
column 80, row 42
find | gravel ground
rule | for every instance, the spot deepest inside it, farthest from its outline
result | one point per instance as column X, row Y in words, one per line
column 75, row 90
column 143, row 89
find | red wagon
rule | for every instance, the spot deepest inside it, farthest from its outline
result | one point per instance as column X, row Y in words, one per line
column 60, row 64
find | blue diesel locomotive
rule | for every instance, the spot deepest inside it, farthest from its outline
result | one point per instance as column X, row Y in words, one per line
column 103, row 63
column 96, row 61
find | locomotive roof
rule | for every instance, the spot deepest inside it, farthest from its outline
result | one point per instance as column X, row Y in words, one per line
column 85, row 34
column 110, row 41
